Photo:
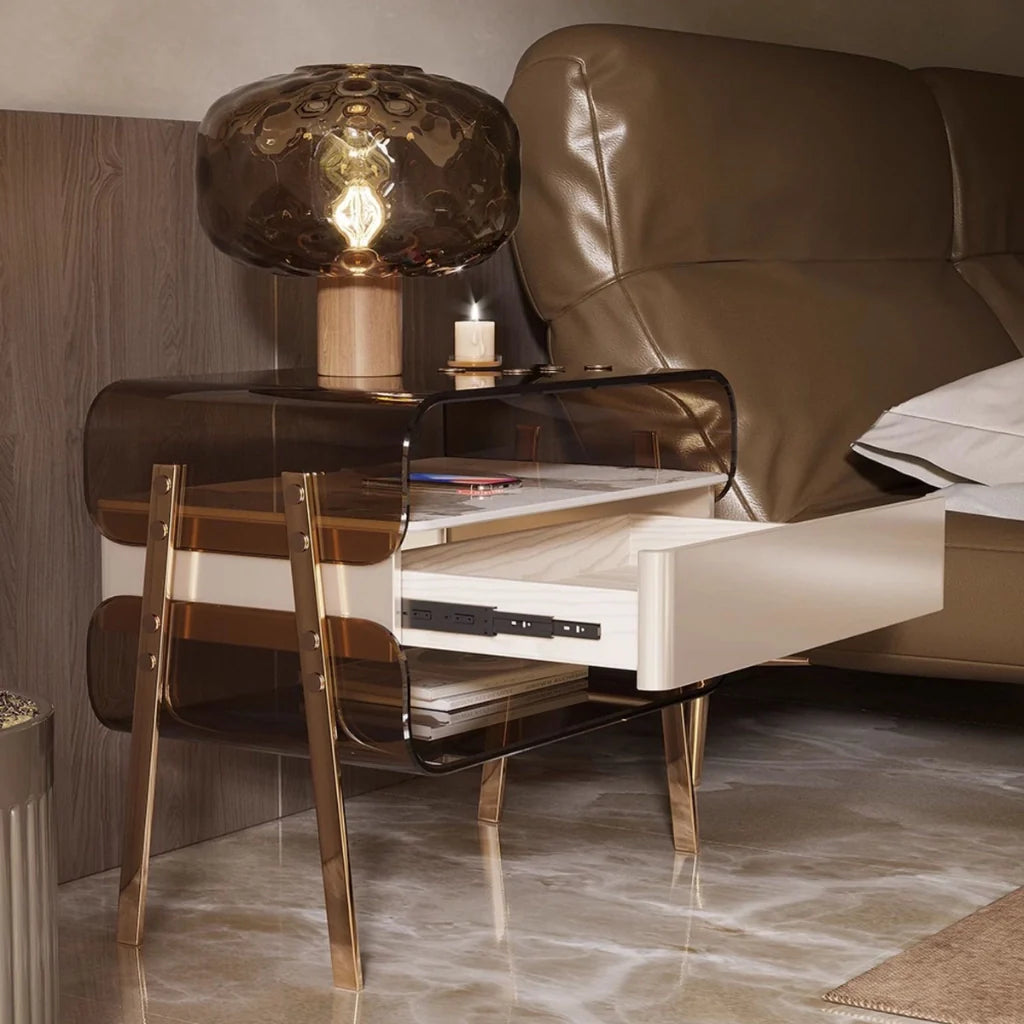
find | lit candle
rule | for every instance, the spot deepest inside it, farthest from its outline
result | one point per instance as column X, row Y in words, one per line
column 474, row 339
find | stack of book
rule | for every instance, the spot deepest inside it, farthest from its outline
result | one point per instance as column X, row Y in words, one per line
column 451, row 692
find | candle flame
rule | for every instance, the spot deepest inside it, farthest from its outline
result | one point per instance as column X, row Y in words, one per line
column 474, row 311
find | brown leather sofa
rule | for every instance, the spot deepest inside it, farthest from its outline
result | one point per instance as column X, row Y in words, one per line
column 835, row 233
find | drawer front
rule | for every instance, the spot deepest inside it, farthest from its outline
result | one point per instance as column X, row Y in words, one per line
column 714, row 607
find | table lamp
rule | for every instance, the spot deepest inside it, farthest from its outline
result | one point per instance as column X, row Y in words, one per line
column 358, row 174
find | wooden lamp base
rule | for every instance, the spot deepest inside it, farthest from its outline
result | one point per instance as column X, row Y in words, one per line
column 359, row 326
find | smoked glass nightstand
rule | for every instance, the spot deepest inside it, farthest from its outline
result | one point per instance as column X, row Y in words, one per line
column 275, row 575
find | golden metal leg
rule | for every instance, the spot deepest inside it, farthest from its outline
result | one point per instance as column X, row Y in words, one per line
column 317, row 667
column 682, row 800
column 492, row 790
column 696, row 734
column 150, row 675
column 490, row 849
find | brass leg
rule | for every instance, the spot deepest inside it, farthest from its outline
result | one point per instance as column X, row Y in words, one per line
column 682, row 800
column 317, row 666
column 492, row 790
column 150, row 675
column 490, row 849
column 697, row 730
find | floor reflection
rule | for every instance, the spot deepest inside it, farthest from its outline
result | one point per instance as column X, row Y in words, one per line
column 131, row 972
column 833, row 837
column 490, row 852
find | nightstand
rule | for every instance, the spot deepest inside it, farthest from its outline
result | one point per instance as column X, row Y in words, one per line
column 271, row 579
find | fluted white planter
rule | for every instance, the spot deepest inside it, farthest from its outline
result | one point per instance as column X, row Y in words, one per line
column 28, row 873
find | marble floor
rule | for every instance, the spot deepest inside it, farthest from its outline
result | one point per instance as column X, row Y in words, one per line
column 842, row 821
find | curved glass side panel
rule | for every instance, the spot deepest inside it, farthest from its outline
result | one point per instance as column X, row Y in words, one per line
column 523, row 612
column 233, row 678
column 672, row 420
column 235, row 436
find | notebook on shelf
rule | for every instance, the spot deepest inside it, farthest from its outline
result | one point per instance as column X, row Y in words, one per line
column 432, row 725
column 451, row 680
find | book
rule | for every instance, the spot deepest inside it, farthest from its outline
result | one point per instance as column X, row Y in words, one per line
column 500, row 704
column 433, row 725
column 451, row 680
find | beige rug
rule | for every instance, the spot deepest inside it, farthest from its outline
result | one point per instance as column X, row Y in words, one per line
column 970, row 973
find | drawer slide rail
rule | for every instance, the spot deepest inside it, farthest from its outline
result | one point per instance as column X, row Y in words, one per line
column 479, row 620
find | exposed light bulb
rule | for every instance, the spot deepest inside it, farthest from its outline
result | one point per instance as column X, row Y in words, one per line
column 358, row 214
column 359, row 165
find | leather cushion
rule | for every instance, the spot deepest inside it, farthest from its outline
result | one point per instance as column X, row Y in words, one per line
column 814, row 352
column 780, row 214
column 999, row 280
column 646, row 148
column 984, row 119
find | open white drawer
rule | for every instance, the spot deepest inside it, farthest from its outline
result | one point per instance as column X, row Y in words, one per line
column 678, row 599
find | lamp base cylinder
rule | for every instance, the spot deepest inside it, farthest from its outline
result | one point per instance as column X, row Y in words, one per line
column 359, row 327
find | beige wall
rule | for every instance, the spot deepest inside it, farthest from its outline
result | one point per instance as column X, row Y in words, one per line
column 171, row 58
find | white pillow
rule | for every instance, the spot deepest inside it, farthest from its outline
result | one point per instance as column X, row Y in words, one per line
column 971, row 430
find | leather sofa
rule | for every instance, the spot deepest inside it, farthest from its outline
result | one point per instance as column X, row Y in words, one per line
column 834, row 233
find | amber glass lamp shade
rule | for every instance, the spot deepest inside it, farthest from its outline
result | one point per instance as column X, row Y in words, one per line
column 358, row 174
column 358, row 169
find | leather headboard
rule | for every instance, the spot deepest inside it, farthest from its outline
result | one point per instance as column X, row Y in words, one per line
column 783, row 215
column 984, row 119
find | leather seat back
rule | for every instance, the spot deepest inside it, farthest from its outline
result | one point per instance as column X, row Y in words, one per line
column 783, row 215
column 984, row 118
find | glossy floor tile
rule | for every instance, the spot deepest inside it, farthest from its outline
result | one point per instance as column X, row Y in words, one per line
column 835, row 835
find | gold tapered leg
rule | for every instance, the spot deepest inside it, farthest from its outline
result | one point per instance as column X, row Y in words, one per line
column 696, row 734
column 492, row 790
column 490, row 849
column 682, row 800
column 317, row 667
column 150, row 675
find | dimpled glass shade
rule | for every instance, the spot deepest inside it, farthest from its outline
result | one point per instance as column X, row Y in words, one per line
column 365, row 169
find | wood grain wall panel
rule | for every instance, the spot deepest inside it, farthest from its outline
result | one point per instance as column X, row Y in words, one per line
column 104, row 273
column 295, row 304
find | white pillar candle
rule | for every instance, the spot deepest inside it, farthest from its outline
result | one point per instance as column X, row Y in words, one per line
column 474, row 341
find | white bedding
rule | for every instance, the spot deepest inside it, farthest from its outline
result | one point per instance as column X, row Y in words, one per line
column 966, row 438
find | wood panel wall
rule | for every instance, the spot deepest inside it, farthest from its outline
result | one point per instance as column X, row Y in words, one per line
column 105, row 274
